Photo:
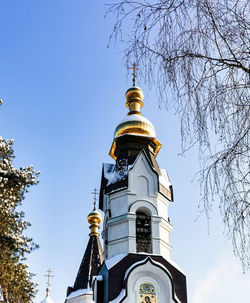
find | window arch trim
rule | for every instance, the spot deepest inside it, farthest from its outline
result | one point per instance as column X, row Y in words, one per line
column 136, row 205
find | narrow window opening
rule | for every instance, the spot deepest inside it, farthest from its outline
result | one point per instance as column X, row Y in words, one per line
column 143, row 232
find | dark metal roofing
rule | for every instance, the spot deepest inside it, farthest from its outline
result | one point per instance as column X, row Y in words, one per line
column 90, row 265
column 116, row 276
column 122, row 170
column 129, row 149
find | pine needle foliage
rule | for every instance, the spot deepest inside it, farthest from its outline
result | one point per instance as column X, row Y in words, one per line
column 15, row 280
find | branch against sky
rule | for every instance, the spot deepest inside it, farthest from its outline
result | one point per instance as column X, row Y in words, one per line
column 196, row 53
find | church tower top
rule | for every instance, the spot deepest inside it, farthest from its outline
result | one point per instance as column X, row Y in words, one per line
column 134, row 126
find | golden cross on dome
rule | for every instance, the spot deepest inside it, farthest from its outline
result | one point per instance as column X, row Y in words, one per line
column 48, row 284
column 134, row 74
column 95, row 193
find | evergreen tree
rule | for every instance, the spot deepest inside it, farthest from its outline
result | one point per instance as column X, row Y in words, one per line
column 15, row 280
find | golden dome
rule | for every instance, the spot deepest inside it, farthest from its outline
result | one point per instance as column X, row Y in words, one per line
column 94, row 219
column 135, row 123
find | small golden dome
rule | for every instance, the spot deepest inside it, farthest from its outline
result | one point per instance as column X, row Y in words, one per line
column 94, row 219
column 134, row 97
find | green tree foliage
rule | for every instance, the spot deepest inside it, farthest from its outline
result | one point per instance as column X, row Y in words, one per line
column 197, row 54
column 15, row 281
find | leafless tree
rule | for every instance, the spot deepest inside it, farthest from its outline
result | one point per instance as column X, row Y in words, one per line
column 196, row 52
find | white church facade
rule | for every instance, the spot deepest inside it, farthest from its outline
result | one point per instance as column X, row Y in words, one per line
column 134, row 264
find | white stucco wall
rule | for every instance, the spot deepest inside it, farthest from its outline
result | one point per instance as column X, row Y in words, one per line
column 141, row 194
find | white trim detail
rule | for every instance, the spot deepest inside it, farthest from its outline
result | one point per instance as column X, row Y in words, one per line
column 143, row 204
column 141, row 272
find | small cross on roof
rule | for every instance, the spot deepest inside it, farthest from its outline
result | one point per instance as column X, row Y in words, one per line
column 95, row 193
column 134, row 74
column 48, row 284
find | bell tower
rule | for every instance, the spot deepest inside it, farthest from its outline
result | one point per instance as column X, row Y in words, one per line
column 135, row 194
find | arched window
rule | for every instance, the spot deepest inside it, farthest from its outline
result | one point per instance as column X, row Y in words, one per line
column 147, row 293
column 143, row 232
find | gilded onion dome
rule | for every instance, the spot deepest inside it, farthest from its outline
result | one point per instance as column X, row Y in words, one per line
column 135, row 123
column 94, row 219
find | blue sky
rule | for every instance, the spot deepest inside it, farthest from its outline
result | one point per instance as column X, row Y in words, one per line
column 63, row 93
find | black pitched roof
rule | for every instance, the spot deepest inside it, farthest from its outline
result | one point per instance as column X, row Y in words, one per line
column 128, row 149
column 121, row 168
column 115, row 278
column 90, row 265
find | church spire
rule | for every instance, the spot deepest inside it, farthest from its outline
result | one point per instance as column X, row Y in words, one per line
column 93, row 256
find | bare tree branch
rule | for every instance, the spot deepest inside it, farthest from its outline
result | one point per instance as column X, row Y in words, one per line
column 197, row 54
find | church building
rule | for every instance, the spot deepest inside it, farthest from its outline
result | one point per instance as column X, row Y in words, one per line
column 135, row 262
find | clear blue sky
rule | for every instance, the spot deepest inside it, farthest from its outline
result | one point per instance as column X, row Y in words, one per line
column 63, row 93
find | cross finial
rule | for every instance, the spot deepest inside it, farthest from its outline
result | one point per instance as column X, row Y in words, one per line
column 48, row 284
column 134, row 74
column 95, row 193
